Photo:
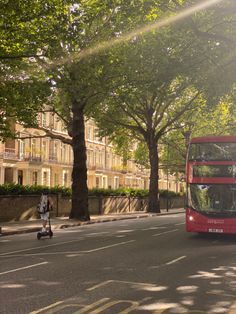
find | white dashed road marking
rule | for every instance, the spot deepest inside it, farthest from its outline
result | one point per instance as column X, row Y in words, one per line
column 22, row 268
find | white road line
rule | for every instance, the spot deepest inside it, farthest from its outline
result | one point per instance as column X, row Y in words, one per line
column 96, row 233
column 68, row 252
column 39, row 247
column 122, row 282
column 154, row 228
column 91, row 306
column 42, row 254
column 47, row 307
column 100, row 285
column 175, row 260
column 165, row 232
column 108, row 246
column 22, row 268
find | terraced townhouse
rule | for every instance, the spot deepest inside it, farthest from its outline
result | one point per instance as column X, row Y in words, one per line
column 47, row 161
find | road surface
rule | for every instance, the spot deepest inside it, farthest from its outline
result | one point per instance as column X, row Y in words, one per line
column 148, row 265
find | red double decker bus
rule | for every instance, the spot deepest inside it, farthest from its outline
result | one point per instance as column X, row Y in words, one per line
column 211, row 185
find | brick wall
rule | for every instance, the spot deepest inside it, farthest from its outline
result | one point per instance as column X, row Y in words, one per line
column 23, row 207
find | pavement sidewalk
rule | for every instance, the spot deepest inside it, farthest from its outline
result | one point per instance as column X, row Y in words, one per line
column 34, row 225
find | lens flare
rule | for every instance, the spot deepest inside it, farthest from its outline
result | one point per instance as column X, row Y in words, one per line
column 140, row 31
column 77, row 56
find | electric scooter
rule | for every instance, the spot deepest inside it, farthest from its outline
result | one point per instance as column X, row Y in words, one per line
column 46, row 233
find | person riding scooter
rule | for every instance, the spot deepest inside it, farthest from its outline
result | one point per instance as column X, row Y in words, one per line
column 45, row 205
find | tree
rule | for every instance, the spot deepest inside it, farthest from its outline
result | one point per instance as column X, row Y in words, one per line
column 82, row 79
column 166, row 75
column 29, row 36
column 67, row 42
column 149, row 103
column 216, row 121
column 52, row 41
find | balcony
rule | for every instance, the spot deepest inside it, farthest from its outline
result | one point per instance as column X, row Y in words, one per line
column 32, row 158
column 9, row 154
column 52, row 159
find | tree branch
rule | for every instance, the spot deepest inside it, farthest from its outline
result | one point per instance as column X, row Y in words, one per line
column 48, row 133
column 176, row 117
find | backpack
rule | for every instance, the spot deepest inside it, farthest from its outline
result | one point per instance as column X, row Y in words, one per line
column 43, row 205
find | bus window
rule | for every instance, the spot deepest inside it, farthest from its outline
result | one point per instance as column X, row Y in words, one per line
column 212, row 151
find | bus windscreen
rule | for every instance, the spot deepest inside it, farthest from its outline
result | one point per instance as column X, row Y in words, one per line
column 213, row 198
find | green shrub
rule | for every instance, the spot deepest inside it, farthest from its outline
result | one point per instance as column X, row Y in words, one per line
column 118, row 192
column 16, row 189
column 165, row 193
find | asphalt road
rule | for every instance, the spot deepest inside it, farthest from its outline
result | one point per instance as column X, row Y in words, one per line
column 148, row 265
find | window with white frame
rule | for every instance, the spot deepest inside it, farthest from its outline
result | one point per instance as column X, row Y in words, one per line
column 89, row 133
column 104, row 182
column 44, row 149
column 65, row 178
column 113, row 160
column 128, row 181
column 35, row 178
column 45, row 178
column 95, row 158
column 110, row 185
column 33, row 147
column 100, row 158
column 97, row 181
column 56, row 179
column 108, row 161
column 63, row 152
column 89, row 157
column 21, row 149
column 116, row 182
column 55, row 150
column 44, row 119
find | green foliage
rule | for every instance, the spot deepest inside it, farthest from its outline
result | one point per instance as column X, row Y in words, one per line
column 119, row 192
column 164, row 76
column 30, row 32
column 217, row 120
column 144, row 84
column 122, row 143
column 16, row 189
column 168, row 194
column 141, row 155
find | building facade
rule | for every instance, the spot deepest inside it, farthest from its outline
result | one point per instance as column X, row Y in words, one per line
column 46, row 161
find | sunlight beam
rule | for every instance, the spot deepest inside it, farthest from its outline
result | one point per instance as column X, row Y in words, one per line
column 100, row 47
column 141, row 31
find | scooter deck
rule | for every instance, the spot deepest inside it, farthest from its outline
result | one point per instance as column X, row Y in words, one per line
column 47, row 233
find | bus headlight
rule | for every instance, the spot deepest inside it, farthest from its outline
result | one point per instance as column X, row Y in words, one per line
column 191, row 218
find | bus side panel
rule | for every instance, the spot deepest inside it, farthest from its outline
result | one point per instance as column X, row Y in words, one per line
column 196, row 222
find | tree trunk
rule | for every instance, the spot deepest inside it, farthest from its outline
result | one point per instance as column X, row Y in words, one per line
column 154, row 202
column 79, row 209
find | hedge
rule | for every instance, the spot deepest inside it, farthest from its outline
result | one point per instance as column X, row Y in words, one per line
column 16, row 189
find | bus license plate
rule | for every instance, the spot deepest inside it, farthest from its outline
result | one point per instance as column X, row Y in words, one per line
column 216, row 230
